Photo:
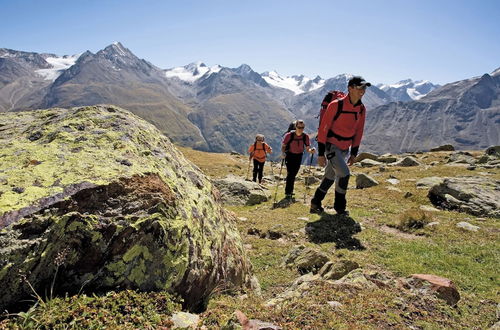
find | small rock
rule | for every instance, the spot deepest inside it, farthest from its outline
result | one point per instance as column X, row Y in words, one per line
column 125, row 162
column 393, row 181
column 303, row 218
column 407, row 161
column 467, row 226
column 35, row 136
column 334, row 304
column 365, row 181
column 445, row 147
column 442, row 287
column 369, row 163
column 242, row 218
column 432, row 224
column 408, row 194
column 366, row 155
column 428, row 208
column 336, row 270
column 185, row 320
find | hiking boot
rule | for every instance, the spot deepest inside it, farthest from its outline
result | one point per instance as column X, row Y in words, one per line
column 316, row 209
column 344, row 213
column 290, row 198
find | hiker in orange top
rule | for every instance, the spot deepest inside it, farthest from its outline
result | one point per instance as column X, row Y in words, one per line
column 258, row 151
column 292, row 148
column 340, row 128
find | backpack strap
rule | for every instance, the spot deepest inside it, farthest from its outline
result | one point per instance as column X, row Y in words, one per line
column 340, row 105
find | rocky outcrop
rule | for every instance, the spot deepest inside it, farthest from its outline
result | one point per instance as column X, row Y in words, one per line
column 444, row 147
column 365, row 181
column 236, row 191
column 441, row 287
column 474, row 195
column 95, row 198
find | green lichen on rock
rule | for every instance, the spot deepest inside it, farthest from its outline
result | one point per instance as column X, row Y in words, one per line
column 104, row 198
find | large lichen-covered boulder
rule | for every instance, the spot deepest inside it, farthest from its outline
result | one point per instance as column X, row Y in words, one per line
column 95, row 198
column 474, row 195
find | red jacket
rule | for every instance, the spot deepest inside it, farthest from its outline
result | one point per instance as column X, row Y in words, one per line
column 258, row 151
column 347, row 130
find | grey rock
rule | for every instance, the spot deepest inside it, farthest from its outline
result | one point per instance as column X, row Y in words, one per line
column 426, row 183
column 336, row 270
column 365, row 181
column 370, row 163
column 444, row 147
column 366, row 155
column 305, row 259
column 467, row 226
column 474, row 195
column 236, row 191
column 407, row 162
column 356, row 278
column 185, row 320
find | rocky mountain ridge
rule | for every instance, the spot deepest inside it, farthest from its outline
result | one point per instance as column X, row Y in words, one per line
column 208, row 108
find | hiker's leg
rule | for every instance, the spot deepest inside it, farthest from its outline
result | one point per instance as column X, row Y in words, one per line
column 255, row 169
column 342, row 180
column 261, row 171
column 292, row 167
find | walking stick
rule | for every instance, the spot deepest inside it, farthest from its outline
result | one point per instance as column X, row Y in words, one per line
column 248, row 170
column 306, row 192
column 277, row 184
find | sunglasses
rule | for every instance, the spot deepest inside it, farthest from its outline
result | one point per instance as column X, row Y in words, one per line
column 300, row 127
column 260, row 139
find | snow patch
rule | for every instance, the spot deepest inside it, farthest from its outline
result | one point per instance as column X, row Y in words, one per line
column 296, row 84
column 59, row 64
column 191, row 72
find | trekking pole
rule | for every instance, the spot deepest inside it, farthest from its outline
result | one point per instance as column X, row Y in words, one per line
column 306, row 192
column 248, row 170
column 277, row 183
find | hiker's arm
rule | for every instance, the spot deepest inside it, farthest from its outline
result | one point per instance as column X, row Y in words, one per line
column 359, row 135
column 269, row 149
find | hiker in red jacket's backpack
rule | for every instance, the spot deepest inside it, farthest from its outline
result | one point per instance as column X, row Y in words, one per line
column 340, row 129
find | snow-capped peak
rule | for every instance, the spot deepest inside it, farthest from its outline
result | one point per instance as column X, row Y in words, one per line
column 297, row 84
column 191, row 72
column 415, row 90
column 59, row 64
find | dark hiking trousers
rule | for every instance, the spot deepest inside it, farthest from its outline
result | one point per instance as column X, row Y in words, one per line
column 293, row 162
column 258, row 170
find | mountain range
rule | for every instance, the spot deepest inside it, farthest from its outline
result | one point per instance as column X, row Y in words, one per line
column 215, row 108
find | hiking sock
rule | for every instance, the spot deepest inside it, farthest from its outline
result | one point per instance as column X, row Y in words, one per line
column 340, row 203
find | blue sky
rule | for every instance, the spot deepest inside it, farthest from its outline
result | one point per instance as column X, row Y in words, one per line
column 385, row 41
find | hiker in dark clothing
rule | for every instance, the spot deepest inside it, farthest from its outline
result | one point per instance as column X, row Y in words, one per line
column 292, row 149
column 340, row 128
column 258, row 151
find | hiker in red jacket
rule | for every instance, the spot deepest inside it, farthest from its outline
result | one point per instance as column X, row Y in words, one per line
column 258, row 151
column 341, row 128
column 292, row 148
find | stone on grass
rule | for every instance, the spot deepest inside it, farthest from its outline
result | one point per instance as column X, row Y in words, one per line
column 442, row 287
column 467, row 226
column 235, row 190
column 474, row 195
column 365, row 181
column 305, row 259
column 428, row 182
column 356, row 278
column 334, row 270
column 407, row 162
column 366, row 155
column 183, row 320
column 369, row 163
column 444, row 147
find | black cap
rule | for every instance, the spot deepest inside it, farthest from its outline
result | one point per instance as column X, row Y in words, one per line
column 358, row 81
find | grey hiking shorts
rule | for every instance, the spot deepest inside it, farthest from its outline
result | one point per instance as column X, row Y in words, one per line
column 336, row 166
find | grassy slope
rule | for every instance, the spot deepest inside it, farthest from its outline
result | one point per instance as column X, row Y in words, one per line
column 469, row 259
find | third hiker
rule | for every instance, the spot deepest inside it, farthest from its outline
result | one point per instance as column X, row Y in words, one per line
column 258, row 151
column 292, row 148
column 341, row 128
